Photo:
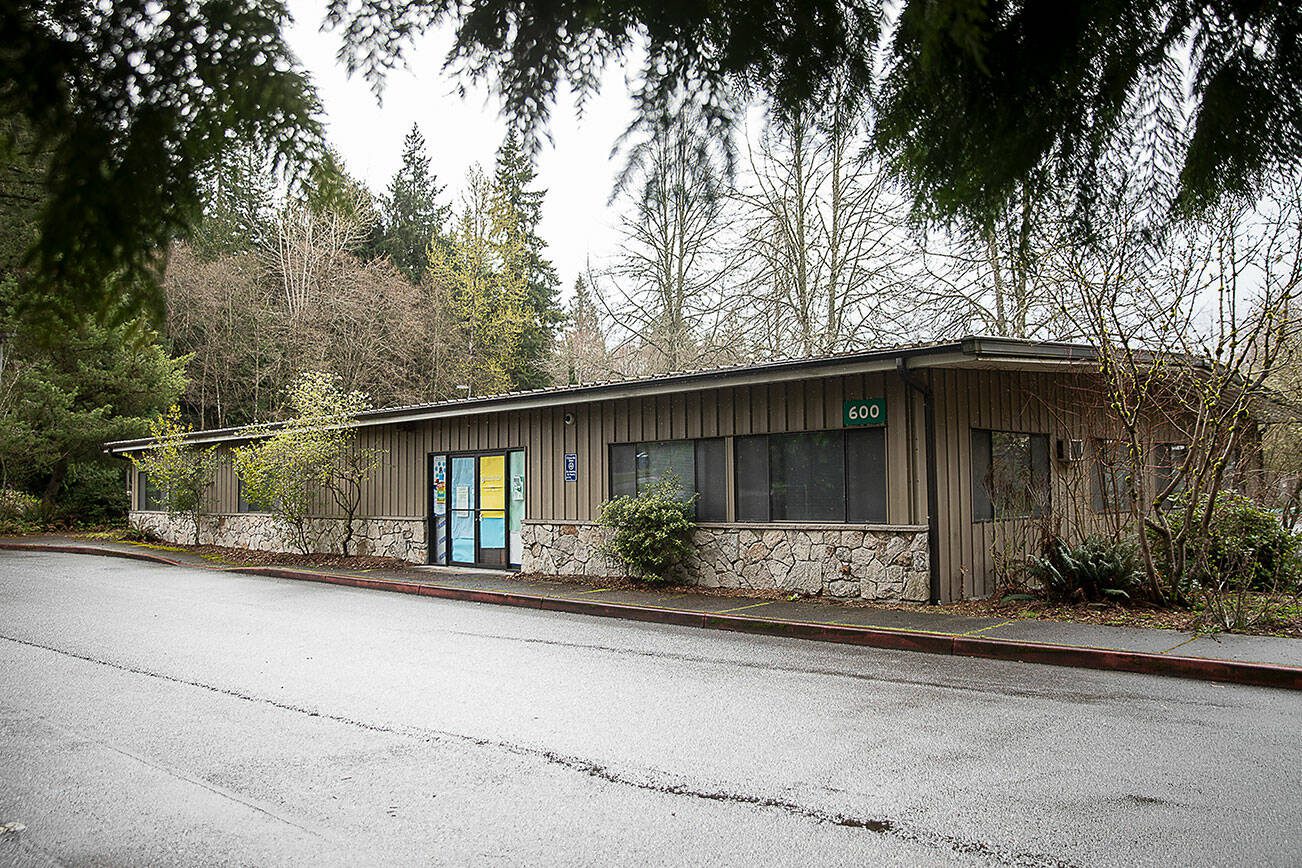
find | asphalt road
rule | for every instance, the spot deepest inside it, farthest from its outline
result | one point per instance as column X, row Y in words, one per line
column 156, row 715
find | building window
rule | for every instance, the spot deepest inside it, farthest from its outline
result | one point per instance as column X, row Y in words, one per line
column 1169, row 459
column 242, row 502
column 1111, row 478
column 831, row 476
column 700, row 466
column 149, row 497
column 1010, row 474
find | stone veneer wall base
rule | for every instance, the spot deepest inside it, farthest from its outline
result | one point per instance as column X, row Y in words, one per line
column 870, row 563
column 380, row 537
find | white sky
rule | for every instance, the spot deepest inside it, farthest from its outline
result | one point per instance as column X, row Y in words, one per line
column 575, row 167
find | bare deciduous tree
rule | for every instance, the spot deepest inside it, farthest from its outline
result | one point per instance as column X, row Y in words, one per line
column 997, row 278
column 309, row 245
column 826, row 246
column 666, row 294
column 1191, row 332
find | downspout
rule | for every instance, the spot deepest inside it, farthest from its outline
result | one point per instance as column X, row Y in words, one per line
column 923, row 387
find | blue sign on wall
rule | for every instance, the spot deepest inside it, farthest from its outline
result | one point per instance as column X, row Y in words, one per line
column 571, row 467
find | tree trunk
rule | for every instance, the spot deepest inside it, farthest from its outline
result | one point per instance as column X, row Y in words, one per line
column 57, row 474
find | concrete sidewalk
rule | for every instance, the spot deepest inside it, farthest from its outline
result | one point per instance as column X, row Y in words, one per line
column 1228, row 657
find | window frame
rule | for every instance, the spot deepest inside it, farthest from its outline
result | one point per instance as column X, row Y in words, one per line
column 1165, row 468
column 244, row 506
column 143, row 499
column 1099, row 502
column 847, row 437
column 979, row 489
column 697, row 445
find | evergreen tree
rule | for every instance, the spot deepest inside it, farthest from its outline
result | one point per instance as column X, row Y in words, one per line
column 64, row 391
column 22, row 196
column 481, row 278
column 411, row 216
column 584, row 355
column 977, row 98
column 333, row 192
column 66, row 385
column 135, row 100
column 513, row 184
column 240, row 206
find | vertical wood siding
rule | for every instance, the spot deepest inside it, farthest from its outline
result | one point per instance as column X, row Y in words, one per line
column 1057, row 404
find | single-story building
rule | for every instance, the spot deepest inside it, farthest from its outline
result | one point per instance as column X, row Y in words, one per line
column 901, row 473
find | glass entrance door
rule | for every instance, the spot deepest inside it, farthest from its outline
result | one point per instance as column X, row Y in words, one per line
column 492, row 512
column 477, row 509
column 463, row 510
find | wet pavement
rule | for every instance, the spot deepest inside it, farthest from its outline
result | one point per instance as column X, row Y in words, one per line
column 1251, row 649
column 153, row 714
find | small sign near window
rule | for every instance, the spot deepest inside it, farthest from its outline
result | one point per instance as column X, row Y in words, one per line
column 864, row 411
column 571, row 467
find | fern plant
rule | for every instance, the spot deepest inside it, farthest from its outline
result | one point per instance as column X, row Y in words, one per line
column 1096, row 570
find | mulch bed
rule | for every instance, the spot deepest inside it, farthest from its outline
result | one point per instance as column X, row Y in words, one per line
column 237, row 557
column 1107, row 614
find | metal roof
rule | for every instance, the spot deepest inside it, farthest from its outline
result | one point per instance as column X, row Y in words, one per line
column 973, row 351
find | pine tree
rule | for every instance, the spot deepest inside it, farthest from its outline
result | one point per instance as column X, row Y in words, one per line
column 238, row 213
column 585, row 357
column 411, row 216
column 513, row 183
column 65, row 391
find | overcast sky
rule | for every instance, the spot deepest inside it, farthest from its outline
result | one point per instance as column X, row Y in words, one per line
column 575, row 167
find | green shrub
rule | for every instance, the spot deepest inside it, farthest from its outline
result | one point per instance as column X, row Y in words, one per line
column 651, row 533
column 1245, row 545
column 93, row 493
column 19, row 512
column 1098, row 569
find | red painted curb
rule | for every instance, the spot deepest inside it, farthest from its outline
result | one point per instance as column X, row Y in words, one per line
column 1198, row 668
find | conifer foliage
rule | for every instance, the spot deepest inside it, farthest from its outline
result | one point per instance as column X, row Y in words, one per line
column 513, row 183
column 412, row 217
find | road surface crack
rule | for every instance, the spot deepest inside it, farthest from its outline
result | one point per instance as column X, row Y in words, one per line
column 878, row 825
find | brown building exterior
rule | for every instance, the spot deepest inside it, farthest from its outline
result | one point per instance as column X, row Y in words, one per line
column 904, row 473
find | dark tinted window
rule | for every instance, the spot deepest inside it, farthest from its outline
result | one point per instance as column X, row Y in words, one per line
column 1110, row 483
column 1170, row 459
column 150, row 496
column 698, row 465
column 711, row 480
column 832, row 476
column 1010, row 474
column 751, row 456
column 623, row 473
column 243, row 504
column 667, row 458
column 807, row 476
column 865, row 475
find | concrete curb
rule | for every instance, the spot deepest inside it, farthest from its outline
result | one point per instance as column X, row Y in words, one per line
column 92, row 550
column 1197, row 668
